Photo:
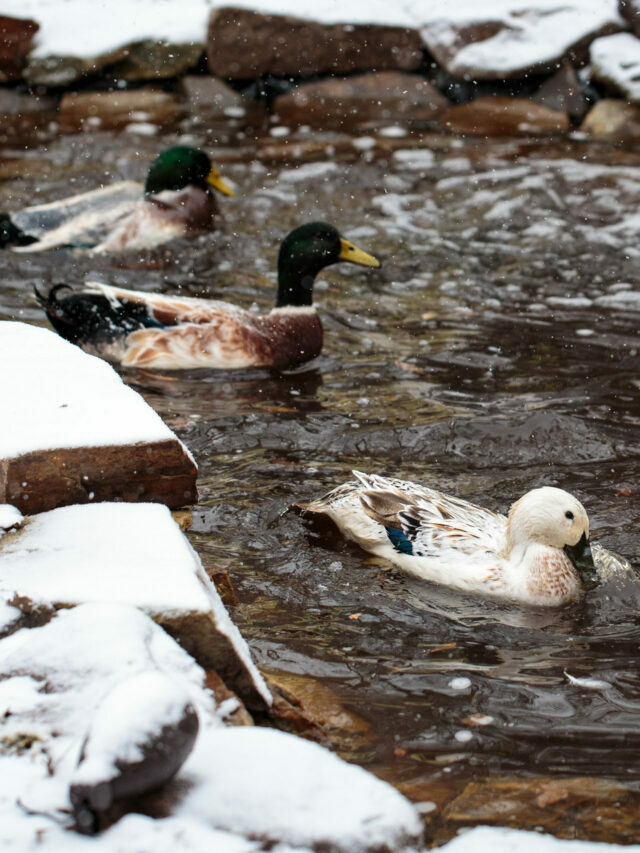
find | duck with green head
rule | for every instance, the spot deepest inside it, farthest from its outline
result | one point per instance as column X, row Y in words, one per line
column 151, row 330
column 177, row 198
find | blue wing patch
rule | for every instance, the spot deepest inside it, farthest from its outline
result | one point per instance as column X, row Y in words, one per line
column 400, row 540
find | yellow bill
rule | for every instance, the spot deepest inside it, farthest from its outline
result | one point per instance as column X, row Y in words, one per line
column 215, row 179
column 351, row 253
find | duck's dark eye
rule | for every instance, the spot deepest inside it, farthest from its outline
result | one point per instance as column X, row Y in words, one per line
column 568, row 514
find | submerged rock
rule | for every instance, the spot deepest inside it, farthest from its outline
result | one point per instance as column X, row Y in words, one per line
column 16, row 35
column 499, row 116
column 527, row 37
column 613, row 121
column 383, row 97
column 615, row 62
column 244, row 44
column 211, row 97
column 562, row 92
column 116, row 110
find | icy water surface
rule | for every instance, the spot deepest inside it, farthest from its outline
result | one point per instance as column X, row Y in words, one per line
column 495, row 351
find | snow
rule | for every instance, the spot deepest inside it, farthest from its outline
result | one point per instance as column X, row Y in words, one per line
column 9, row 517
column 616, row 59
column 133, row 714
column 297, row 790
column 500, row 840
column 119, row 553
column 62, row 397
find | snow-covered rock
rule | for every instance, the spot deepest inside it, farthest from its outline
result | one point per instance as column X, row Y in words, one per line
column 615, row 61
column 131, row 554
column 108, row 442
column 500, row 840
column 614, row 120
column 512, row 38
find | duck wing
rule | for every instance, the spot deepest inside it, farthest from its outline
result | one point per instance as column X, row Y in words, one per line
column 423, row 522
column 81, row 220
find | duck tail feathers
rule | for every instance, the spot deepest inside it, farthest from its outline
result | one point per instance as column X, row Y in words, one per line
column 11, row 235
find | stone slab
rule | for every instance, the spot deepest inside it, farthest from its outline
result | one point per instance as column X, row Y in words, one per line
column 243, row 45
column 16, row 35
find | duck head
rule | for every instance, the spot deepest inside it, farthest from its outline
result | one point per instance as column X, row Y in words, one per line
column 552, row 517
column 183, row 166
column 307, row 250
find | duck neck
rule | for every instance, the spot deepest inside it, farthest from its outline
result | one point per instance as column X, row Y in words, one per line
column 295, row 282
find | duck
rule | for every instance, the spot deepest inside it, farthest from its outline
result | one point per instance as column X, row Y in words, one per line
column 176, row 199
column 538, row 554
column 151, row 330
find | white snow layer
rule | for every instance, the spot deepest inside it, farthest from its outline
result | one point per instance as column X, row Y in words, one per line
column 616, row 59
column 499, row 840
column 103, row 26
column 9, row 517
column 54, row 395
column 119, row 553
column 57, row 680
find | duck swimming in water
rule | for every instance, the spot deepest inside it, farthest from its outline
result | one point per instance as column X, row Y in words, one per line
column 176, row 199
column 171, row 332
column 539, row 554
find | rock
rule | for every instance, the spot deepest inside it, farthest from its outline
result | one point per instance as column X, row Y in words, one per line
column 630, row 11
column 211, row 97
column 382, row 97
column 116, row 110
column 613, row 121
column 14, row 103
column 497, row 116
column 615, row 62
column 244, row 44
column 232, row 710
column 74, row 432
column 70, row 556
column 119, row 761
column 16, row 35
column 143, row 60
column 528, row 37
column 562, row 92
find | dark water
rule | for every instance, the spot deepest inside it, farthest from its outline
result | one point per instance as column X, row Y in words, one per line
column 495, row 351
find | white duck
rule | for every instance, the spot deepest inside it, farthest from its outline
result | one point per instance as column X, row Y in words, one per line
column 539, row 554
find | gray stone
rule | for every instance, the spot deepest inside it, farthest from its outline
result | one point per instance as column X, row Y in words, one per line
column 562, row 92
column 211, row 97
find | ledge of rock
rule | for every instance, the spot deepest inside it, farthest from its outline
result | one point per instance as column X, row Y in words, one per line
column 75, row 433
column 527, row 36
column 383, row 97
column 502, row 116
column 562, row 92
column 16, row 35
column 630, row 11
column 613, row 121
column 615, row 62
column 244, row 44
column 131, row 554
column 116, row 110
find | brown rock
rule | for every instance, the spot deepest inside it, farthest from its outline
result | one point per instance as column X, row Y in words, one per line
column 159, row 472
column 115, row 110
column 221, row 693
column 521, row 42
column 613, row 121
column 16, row 35
column 562, row 92
column 211, row 97
column 245, row 44
column 499, row 116
column 224, row 585
column 382, row 97
column 630, row 11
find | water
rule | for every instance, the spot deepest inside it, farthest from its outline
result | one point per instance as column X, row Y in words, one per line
column 494, row 352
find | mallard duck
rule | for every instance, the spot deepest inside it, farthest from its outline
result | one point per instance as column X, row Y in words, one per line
column 539, row 554
column 174, row 332
column 176, row 199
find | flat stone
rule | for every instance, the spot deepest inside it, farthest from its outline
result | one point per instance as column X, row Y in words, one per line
column 129, row 554
column 139, row 61
column 13, row 103
column 16, row 35
column 615, row 62
column 613, row 121
column 244, row 44
column 116, row 110
column 210, row 96
column 75, row 433
column 527, row 37
column 498, row 116
column 562, row 92
column 379, row 97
